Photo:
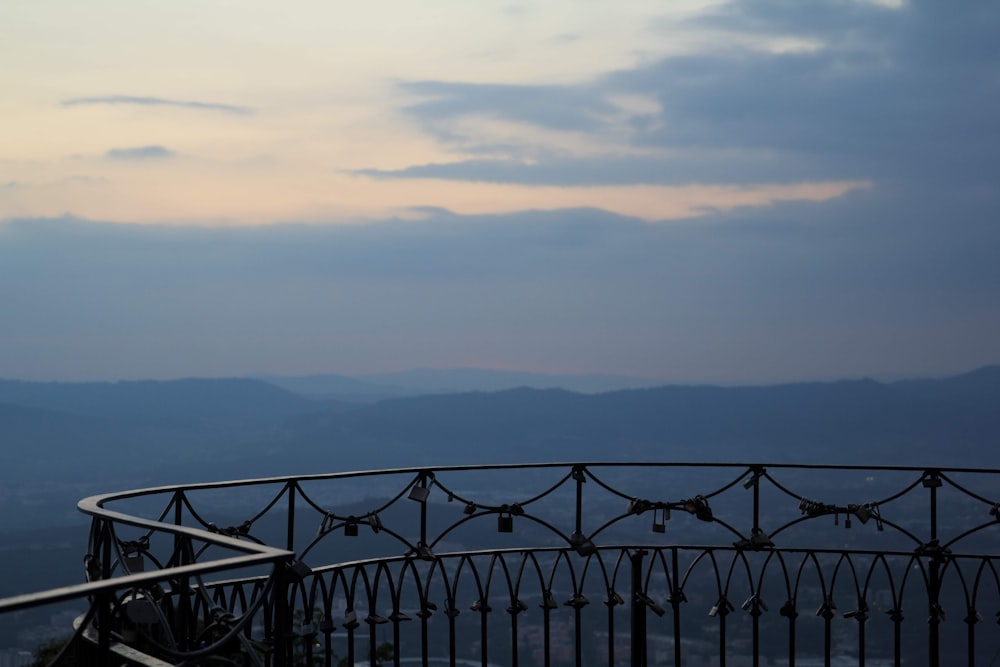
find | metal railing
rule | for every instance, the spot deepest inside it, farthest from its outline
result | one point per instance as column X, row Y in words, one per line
column 548, row 564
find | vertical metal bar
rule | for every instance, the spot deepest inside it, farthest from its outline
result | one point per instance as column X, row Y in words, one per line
column 396, row 642
column 327, row 649
column 861, row 642
column 611, row 635
column 934, row 515
column 178, row 504
column 827, row 640
column 897, row 641
column 104, row 600
column 638, row 635
column 423, row 515
column 483, row 636
column 351, row 653
column 972, row 644
column 578, row 475
column 185, row 609
column 290, row 535
column 452, row 646
column 424, row 638
column 178, row 520
column 722, row 637
column 675, row 603
column 513, row 639
column 183, row 624
column 282, row 618
column 578, row 635
column 934, row 584
column 793, row 615
column 757, row 471
column 756, row 531
column 546, row 631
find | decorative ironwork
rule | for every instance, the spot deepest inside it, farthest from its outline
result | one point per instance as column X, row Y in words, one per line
column 548, row 564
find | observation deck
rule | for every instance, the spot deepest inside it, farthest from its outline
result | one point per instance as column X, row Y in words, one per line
column 543, row 565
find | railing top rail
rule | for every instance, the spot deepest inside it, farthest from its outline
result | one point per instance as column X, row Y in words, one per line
column 265, row 556
column 250, row 548
column 94, row 505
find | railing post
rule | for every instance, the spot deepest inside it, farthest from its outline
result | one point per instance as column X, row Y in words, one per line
column 451, row 611
column 182, row 546
column 282, row 625
column 756, row 472
column 578, row 476
column 290, row 524
column 934, row 620
column 638, row 638
column 484, row 635
column 423, row 514
column 548, row 604
column 104, row 600
column 933, row 481
column 424, row 634
column 283, row 641
column 676, row 597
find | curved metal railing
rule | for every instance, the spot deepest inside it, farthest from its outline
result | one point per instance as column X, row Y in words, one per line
column 547, row 564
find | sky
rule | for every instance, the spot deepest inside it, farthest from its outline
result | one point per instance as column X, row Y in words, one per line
column 692, row 191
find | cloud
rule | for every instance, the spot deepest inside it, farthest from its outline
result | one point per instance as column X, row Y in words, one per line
column 901, row 95
column 553, row 107
column 140, row 153
column 566, row 38
column 895, row 94
column 861, row 284
column 83, row 179
column 777, row 17
column 679, row 168
column 157, row 101
column 77, row 180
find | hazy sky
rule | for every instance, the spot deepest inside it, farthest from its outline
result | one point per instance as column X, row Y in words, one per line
column 692, row 191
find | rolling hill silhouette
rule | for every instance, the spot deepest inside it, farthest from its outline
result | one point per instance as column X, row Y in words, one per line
column 250, row 426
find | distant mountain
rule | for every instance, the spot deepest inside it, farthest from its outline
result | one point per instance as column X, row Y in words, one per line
column 208, row 428
column 426, row 380
column 377, row 387
column 55, row 431
column 65, row 440
column 159, row 400
column 955, row 421
column 976, row 387
column 337, row 388
column 18, row 419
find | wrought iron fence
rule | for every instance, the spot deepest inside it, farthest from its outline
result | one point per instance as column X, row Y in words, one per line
column 549, row 564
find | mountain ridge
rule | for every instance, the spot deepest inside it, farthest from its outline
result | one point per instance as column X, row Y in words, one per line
column 212, row 423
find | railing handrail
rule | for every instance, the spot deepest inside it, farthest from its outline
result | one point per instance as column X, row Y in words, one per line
column 269, row 556
column 94, row 505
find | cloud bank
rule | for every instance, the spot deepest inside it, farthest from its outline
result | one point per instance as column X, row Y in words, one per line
column 157, row 102
column 895, row 95
column 139, row 153
column 861, row 285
